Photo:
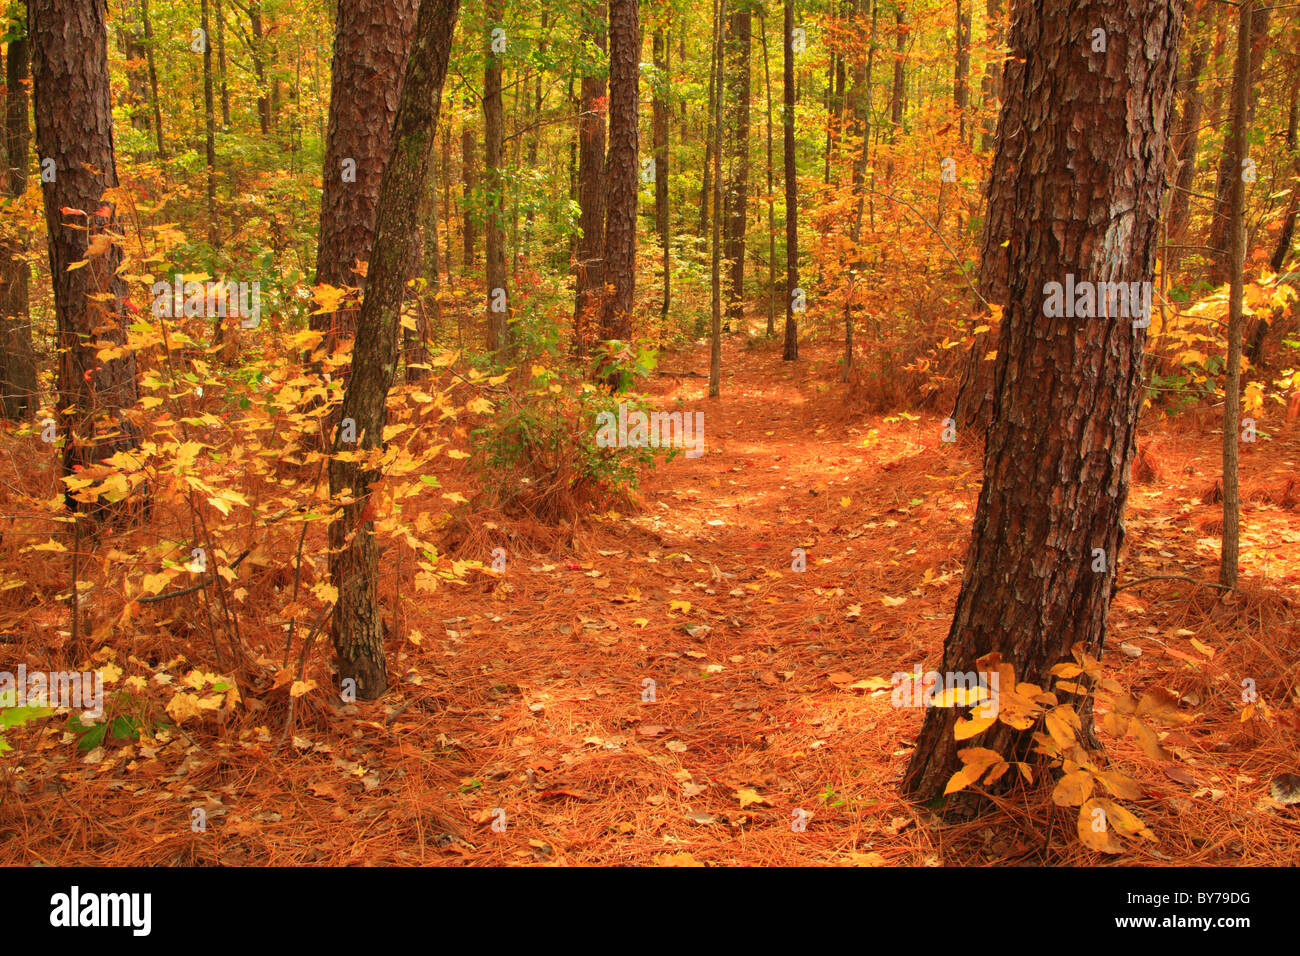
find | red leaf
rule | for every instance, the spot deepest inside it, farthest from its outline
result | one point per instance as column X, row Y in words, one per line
column 69, row 211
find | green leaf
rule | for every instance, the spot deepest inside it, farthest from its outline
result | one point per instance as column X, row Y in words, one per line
column 92, row 738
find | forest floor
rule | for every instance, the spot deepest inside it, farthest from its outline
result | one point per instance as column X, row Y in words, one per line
column 523, row 693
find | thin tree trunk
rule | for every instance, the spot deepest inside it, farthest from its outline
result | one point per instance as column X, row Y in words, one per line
column 715, row 273
column 589, row 278
column 17, row 357
column 621, row 171
column 736, row 201
column 259, row 66
column 771, row 190
column 1187, row 137
column 660, row 108
column 210, row 136
column 791, row 350
column 706, row 185
column 469, row 183
column 356, row 626
column 1230, row 175
column 961, row 69
column 221, row 65
column 151, row 60
column 1236, row 239
column 991, row 84
column 498, row 293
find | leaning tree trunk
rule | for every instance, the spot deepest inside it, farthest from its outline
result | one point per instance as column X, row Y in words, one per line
column 1082, row 146
column 372, row 41
column 621, row 171
column 17, row 357
column 74, row 137
column 356, row 627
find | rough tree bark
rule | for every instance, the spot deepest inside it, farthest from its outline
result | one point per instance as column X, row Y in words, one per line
column 17, row 357
column 1085, row 138
column 356, row 627
column 74, row 138
column 621, row 171
column 371, row 44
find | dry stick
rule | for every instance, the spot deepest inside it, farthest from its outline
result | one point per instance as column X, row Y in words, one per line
column 1172, row 577
column 302, row 660
column 76, row 551
column 916, row 212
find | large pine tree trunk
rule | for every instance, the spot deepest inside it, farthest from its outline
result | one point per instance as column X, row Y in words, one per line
column 74, row 130
column 1082, row 145
column 17, row 357
column 591, row 186
column 621, row 171
column 735, row 201
column 371, row 44
column 356, row 627
column 498, row 295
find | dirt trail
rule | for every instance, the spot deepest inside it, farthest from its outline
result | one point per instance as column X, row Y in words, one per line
column 524, row 700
